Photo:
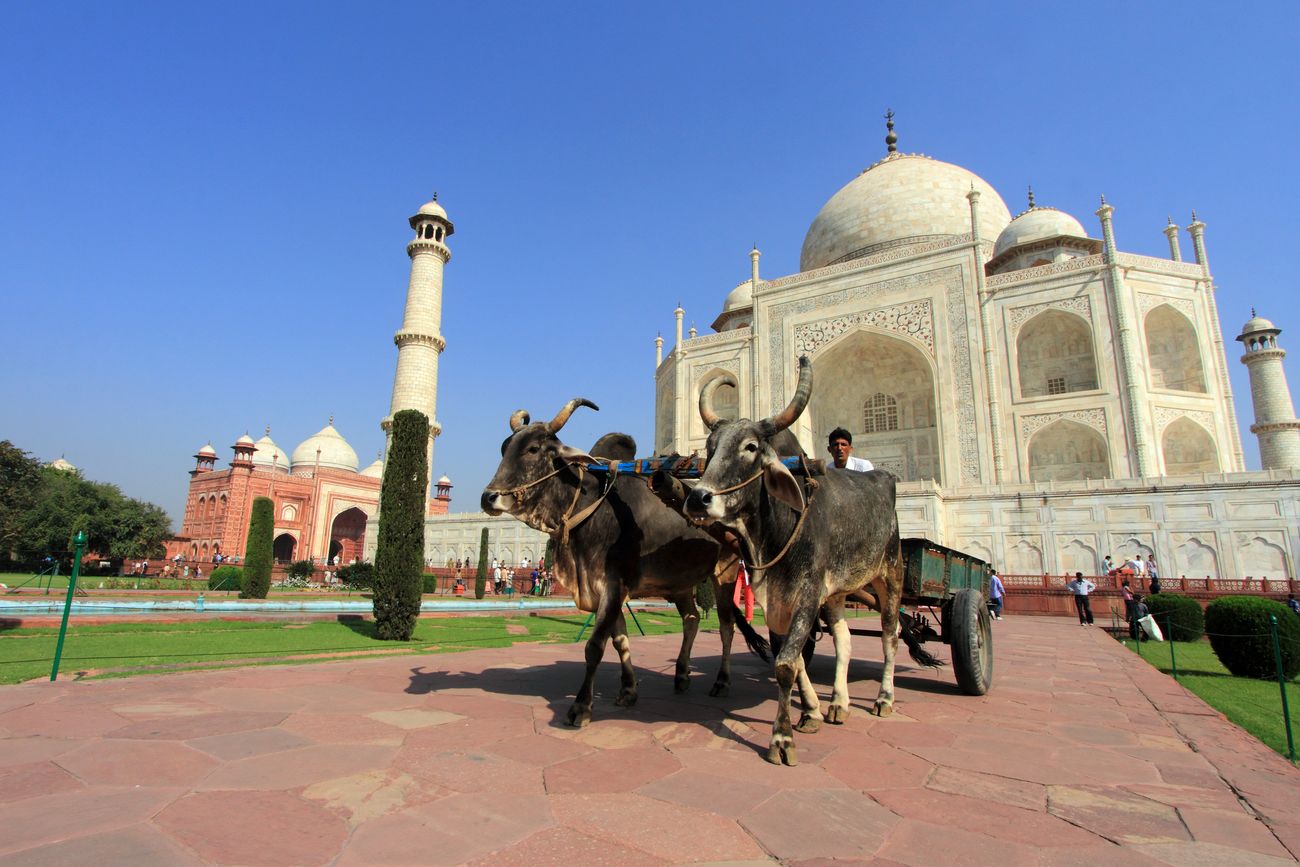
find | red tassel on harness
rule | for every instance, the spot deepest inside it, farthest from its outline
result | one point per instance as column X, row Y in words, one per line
column 744, row 592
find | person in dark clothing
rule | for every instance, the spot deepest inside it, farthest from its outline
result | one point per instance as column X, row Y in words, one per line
column 1154, row 587
column 1130, row 608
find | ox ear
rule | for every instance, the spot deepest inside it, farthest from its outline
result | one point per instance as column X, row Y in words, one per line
column 781, row 483
column 570, row 455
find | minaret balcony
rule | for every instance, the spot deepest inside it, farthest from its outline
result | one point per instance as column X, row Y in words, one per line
column 428, row 245
column 407, row 338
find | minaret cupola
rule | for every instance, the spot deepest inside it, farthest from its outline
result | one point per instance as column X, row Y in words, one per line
column 431, row 227
column 205, row 460
column 1275, row 422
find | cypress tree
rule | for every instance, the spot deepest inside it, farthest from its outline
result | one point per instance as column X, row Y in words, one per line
column 480, row 577
column 258, row 550
column 399, row 557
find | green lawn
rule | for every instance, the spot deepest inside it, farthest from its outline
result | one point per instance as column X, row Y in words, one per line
column 1255, row 705
column 133, row 648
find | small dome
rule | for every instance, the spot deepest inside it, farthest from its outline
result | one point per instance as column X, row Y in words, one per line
column 62, row 464
column 902, row 197
column 375, row 470
column 335, row 453
column 1258, row 323
column 269, row 455
column 1037, row 224
column 245, row 440
column 740, row 298
column 432, row 209
column 443, row 481
column 208, row 451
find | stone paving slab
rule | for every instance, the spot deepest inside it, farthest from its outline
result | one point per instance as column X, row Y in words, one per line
column 1081, row 754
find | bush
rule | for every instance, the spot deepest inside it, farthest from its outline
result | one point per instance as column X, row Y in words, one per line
column 429, row 582
column 480, row 577
column 1239, row 633
column 1181, row 618
column 399, row 558
column 301, row 569
column 357, row 576
column 226, row 578
column 259, row 550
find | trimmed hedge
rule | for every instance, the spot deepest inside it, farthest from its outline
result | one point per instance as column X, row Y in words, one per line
column 259, row 550
column 358, row 576
column 399, row 557
column 301, row 569
column 1238, row 627
column 480, row 577
column 226, row 578
column 429, row 582
column 1181, row 618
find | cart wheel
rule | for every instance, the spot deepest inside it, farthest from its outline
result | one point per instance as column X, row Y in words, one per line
column 972, row 642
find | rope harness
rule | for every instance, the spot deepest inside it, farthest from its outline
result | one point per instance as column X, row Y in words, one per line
column 812, row 486
column 571, row 520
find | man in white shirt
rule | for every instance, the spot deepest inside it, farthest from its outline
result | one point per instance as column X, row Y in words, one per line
column 1081, row 587
column 840, row 444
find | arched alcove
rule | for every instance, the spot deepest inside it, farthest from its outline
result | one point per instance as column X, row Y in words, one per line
column 1263, row 559
column 1196, row 559
column 882, row 390
column 283, row 547
column 1067, row 451
column 1077, row 556
column 1174, row 351
column 1024, row 558
column 1188, row 448
column 348, row 531
column 1054, row 355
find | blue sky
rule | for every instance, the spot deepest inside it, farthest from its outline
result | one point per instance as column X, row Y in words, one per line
column 204, row 208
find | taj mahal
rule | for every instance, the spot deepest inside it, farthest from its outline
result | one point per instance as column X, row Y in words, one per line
column 1044, row 398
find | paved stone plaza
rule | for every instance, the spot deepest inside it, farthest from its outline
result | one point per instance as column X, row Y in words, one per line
column 1082, row 754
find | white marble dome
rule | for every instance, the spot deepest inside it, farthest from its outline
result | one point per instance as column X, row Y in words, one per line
column 740, row 298
column 335, row 453
column 443, row 481
column 432, row 209
column 245, row 440
column 1037, row 224
column 1258, row 323
column 62, row 464
column 208, row 451
column 904, row 196
column 269, row 455
column 375, row 470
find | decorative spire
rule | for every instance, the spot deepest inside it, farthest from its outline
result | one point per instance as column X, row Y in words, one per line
column 1194, row 220
column 331, row 420
column 891, row 140
column 1103, row 198
column 268, row 430
column 1252, row 313
column 1170, row 219
column 435, row 195
column 1031, row 197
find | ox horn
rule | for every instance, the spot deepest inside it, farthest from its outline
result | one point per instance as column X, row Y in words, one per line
column 518, row 419
column 710, row 417
column 786, row 417
column 562, row 417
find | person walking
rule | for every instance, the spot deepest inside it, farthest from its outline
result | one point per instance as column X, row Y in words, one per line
column 1130, row 608
column 1081, row 587
column 996, row 594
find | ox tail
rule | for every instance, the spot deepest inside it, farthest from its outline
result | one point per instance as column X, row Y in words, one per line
column 756, row 643
column 915, row 649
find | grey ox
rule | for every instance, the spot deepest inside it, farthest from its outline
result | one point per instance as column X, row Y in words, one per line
column 613, row 540
column 808, row 551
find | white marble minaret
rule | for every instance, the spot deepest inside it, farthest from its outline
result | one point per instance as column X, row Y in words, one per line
column 419, row 343
column 1275, row 421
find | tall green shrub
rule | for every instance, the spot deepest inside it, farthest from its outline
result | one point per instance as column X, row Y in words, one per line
column 480, row 577
column 226, row 578
column 259, row 550
column 399, row 557
column 1239, row 633
column 1181, row 618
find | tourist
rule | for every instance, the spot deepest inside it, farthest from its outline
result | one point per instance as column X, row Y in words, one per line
column 532, row 588
column 1081, row 587
column 996, row 594
column 1151, row 567
column 840, row 444
column 1154, row 587
column 1140, row 611
column 1107, row 566
column 1293, row 603
column 1130, row 606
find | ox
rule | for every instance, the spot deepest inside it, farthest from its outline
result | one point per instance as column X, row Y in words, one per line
column 809, row 551
column 613, row 540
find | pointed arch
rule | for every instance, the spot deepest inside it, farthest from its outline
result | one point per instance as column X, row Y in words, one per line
column 1188, row 448
column 1054, row 355
column 1173, row 350
column 1196, row 559
column 1067, row 451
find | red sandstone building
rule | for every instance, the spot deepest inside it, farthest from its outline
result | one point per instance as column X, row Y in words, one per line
column 322, row 501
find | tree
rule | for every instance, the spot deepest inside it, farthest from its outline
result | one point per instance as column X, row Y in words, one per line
column 480, row 577
column 259, row 550
column 20, row 479
column 399, row 555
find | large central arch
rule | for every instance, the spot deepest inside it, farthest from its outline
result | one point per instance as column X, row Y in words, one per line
column 882, row 390
column 348, row 536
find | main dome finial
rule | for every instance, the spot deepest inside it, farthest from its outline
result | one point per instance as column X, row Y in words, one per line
column 1031, row 197
column 891, row 140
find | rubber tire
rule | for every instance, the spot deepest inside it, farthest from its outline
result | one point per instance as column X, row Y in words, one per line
column 972, row 642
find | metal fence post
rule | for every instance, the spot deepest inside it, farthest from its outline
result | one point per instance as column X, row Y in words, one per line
column 1173, row 660
column 1281, row 684
column 79, row 547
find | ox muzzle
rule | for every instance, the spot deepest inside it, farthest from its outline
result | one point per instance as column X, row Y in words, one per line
column 496, row 502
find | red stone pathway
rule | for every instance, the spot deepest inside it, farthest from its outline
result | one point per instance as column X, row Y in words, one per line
column 1082, row 754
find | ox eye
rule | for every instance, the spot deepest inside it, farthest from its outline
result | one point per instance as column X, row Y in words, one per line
column 751, row 447
column 534, row 449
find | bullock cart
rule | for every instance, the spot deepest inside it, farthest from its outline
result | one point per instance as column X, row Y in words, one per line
column 953, row 586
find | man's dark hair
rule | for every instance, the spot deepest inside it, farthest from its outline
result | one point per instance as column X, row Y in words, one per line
column 1078, row 574
column 840, row 434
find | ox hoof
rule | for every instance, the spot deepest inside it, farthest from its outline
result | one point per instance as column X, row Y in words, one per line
column 720, row 689
column 837, row 714
column 681, row 683
column 884, row 707
column 579, row 716
column 808, row 724
column 626, row 698
column 783, row 755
